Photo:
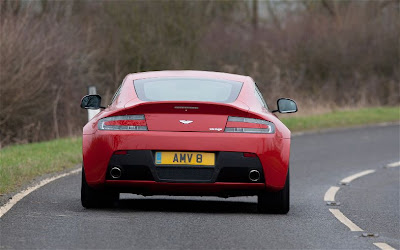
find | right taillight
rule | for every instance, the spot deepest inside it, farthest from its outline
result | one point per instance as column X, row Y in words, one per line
column 249, row 125
column 125, row 122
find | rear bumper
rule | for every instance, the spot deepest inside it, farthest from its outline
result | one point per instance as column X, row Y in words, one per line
column 272, row 151
column 229, row 167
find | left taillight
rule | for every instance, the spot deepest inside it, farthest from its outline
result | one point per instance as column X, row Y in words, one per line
column 125, row 122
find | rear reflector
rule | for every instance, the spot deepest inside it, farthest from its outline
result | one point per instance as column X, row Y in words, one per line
column 121, row 152
column 126, row 122
column 249, row 125
column 249, row 155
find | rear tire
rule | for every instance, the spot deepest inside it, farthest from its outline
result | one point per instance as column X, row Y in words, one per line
column 92, row 198
column 275, row 202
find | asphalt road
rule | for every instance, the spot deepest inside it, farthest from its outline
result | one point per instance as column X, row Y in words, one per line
column 52, row 217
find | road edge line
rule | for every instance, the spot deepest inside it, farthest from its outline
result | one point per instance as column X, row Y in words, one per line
column 346, row 221
column 384, row 246
column 393, row 165
column 19, row 196
column 351, row 178
column 331, row 193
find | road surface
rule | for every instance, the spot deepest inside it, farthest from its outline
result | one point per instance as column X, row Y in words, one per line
column 52, row 216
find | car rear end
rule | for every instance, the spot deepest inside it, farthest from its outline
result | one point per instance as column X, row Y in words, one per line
column 162, row 143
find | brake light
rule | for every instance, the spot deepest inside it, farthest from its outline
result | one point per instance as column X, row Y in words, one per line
column 249, row 125
column 126, row 122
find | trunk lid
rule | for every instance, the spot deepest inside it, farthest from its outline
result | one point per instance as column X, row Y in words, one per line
column 188, row 116
column 186, row 122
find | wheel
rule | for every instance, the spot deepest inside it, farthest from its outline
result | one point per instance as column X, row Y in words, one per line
column 275, row 202
column 92, row 198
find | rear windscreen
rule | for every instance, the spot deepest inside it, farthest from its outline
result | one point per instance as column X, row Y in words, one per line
column 187, row 89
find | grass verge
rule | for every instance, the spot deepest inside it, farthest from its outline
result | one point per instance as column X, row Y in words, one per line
column 342, row 118
column 20, row 164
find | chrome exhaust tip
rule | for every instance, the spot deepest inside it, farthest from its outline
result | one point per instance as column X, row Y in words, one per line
column 116, row 172
column 254, row 175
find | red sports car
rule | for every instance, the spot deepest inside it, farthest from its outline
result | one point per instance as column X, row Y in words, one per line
column 187, row 133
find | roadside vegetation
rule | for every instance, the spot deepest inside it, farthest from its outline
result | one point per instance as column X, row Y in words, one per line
column 341, row 118
column 322, row 53
column 20, row 164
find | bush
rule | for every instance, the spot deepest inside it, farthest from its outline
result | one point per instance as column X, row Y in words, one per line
column 325, row 54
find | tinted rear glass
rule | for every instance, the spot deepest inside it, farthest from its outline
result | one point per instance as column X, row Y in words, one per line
column 187, row 89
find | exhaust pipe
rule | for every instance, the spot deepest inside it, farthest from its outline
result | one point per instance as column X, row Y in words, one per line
column 116, row 172
column 254, row 175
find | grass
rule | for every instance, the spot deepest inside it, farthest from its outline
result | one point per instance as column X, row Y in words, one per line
column 20, row 164
column 343, row 118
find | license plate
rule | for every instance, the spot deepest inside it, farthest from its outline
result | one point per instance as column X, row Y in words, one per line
column 185, row 158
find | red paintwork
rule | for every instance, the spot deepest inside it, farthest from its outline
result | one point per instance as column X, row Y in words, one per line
column 164, row 133
column 168, row 122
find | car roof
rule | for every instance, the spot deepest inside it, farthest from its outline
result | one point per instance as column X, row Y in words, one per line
column 188, row 73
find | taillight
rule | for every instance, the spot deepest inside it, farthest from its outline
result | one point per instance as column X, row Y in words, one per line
column 249, row 125
column 126, row 122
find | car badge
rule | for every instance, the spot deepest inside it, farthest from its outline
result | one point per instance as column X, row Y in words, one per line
column 215, row 129
column 185, row 121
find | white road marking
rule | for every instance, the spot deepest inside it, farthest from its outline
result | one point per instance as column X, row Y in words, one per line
column 330, row 194
column 384, row 246
column 4, row 209
column 342, row 218
column 393, row 165
column 347, row 180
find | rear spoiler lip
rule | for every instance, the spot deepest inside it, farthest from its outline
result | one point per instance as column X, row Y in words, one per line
column 138, row 103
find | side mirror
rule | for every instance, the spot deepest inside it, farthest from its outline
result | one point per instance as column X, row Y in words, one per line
column 91, row 102
column 286, row 105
